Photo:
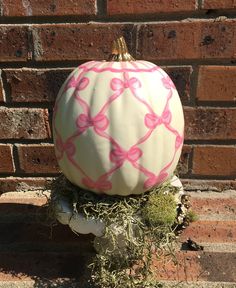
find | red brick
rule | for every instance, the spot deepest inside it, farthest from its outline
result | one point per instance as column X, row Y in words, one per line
column 213, row 264
column 183, row 165
column 14, row 43
column 42, row 85
column 214, row 160
column 35, row 85
column 8, row 184
column 32, row 243
column 6, row 159
column 181, row 78
column 27, row 123
column 140, row 7
column 45, row 267
column 211, row 231
column 37, row 158
column 214, row 206
column 60, row 267
column 216, row 83
column 31, row 198
column 187, row 40
column 36, row 233
column 206, row 185
column 48, row 8
column 77, row 41
column 210, row 123
column 189, row 266
column 219, row 4
column 185, row 267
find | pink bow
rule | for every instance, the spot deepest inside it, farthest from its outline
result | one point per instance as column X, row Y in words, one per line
column 99, row 122
column 68, row 147
column 155, row 180
column 178, row 141
column 100, row 185
column 119, row 155
column 167, row 82
column 153, row 120
column 75, row 82
column 83, row 83
column 119, row 85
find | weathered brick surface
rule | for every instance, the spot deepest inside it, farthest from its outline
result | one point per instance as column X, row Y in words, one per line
column 37, row 233
column 34, row 198
column 207, row 185
column 192, row 266
column 216, row 83
column 216, row 206
column 35, row 85
column 181, row 77
column 42, row 85
column 27, row 94
column 37, row 158
column 26, row 85
column 210, row 123
column 44, row 265
column 6, row 159
column 24, row 123
column 197, row 266
column 214, row 160
column 9, row 184
column 42, row 250
column 77, row 41
column 134, row 7
column 187, row 40
column 211, row 231
column 218, row 4
column 31, row 231
column 49, row 8
column 14, row 43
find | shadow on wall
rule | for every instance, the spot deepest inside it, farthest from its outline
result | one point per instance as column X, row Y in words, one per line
column 32, row 250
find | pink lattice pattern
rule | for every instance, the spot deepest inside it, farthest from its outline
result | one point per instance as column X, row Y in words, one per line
column 100, row 122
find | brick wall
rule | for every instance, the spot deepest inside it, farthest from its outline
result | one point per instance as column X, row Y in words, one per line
column 42, row 41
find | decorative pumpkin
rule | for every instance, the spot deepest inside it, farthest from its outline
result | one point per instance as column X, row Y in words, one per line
column 118, row 125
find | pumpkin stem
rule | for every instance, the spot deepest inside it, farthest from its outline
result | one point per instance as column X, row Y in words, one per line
column 120, row 51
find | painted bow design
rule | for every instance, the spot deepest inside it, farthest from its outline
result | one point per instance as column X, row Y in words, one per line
column 119, row 85
column 178, row 141
column 120, row 155
column 99, row 122
column 153, row 120
column 79, row 84
column 167, row 82
column 99, row 185
column 155, row 180
column 67, row 147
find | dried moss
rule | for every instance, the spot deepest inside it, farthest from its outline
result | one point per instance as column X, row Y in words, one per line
column 147, row 223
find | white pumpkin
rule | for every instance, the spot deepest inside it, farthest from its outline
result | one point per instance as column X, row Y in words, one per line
column 118, row 125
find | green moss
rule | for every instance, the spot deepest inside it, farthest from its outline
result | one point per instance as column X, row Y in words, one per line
column 191, row 216
column 160, row 209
